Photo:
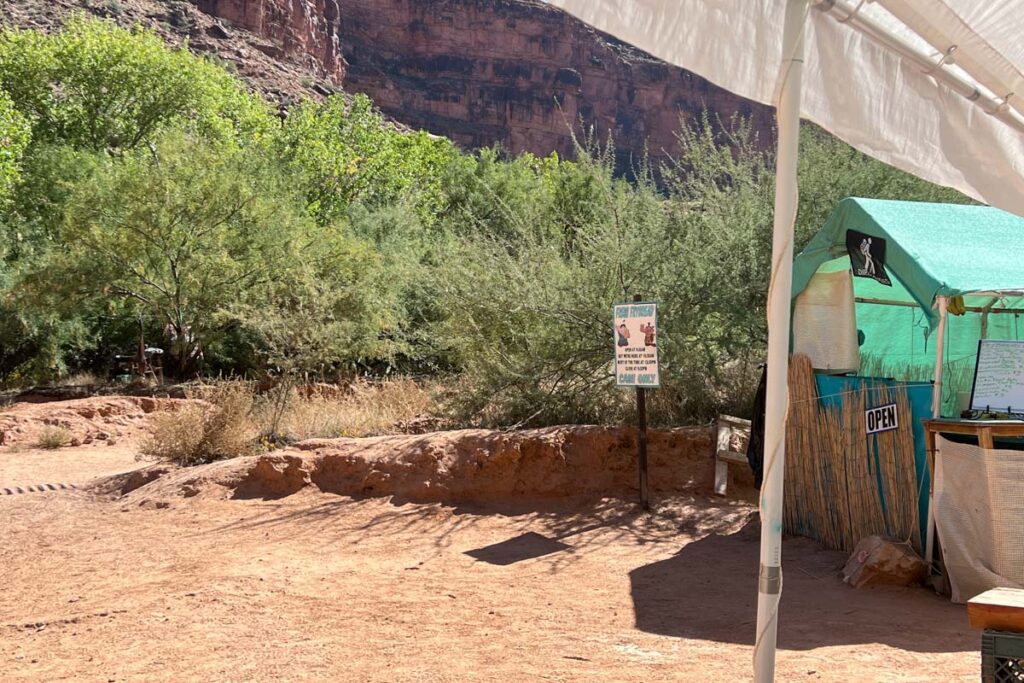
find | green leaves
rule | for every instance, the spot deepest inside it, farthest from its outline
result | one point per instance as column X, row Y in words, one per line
column 15, row 134
column 180, row 231
column 141, row 179
column 95, row 85
column 343, row 152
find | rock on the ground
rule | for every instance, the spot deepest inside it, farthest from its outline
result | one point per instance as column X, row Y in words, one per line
column 880, row 561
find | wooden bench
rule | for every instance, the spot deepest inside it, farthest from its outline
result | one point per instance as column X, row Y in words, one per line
column 999, row 609
column 731, row 430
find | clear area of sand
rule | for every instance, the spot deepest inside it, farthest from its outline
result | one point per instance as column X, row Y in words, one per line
column 322, row 587
column 174, row 582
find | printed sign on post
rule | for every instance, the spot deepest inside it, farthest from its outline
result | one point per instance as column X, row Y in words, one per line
column 881, row 419
column 636, row 345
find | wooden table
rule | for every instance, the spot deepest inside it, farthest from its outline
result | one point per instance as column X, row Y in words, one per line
column 1000, row 609
column 985, row 430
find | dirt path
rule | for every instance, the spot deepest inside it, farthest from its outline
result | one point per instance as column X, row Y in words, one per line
column 20, row 469
column 314, row 586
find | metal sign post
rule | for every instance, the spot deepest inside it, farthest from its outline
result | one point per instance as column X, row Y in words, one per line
column 641, row 441
column 641, row 437
column 636, row 365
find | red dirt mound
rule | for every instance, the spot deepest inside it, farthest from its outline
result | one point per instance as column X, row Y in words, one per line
column 87, row 420
column 465, row 465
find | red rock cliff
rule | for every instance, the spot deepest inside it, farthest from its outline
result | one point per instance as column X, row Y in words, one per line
column 519, row 72
column 304, row 29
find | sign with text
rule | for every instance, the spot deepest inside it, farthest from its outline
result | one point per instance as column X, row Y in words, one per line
column 999, row 377
column 636, row 345
column 881, row 418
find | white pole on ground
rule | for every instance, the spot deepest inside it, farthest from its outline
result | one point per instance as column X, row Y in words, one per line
column 769, row 586
column 940, row 344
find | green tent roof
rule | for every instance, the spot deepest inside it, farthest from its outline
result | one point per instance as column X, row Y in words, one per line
column 931, row 249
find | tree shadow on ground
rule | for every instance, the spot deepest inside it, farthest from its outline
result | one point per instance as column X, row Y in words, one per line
column 578, row 525
column 528, row 546
column 708, row 591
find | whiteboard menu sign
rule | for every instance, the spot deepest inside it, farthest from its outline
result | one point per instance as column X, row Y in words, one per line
column 999, row 377
column 636, row 345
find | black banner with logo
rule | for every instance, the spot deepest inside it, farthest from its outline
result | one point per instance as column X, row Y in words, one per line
column 867, row 256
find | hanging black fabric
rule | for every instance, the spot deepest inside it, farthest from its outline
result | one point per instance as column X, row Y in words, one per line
column 867, row 256
column 755, row 446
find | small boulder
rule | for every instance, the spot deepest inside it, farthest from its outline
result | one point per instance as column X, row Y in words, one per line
column 217, row 31
column 142, row 476
column 880, row 561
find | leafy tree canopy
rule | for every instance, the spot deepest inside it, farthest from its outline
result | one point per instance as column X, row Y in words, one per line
column 343, row 152
column 15, row 134
column 98, row 86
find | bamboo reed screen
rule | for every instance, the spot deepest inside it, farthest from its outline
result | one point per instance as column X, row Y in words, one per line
column 841, row 484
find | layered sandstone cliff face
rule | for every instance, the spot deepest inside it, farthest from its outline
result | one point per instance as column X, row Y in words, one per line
column 303, row 29
column 520, row 73
column 515, row 72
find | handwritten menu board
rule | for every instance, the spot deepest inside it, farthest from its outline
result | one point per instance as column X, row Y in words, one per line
column 999, row 377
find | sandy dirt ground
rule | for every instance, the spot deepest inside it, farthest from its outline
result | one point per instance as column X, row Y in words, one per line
column 37, row 468
column 315, row 586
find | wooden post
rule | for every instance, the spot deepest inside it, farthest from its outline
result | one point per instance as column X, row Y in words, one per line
column 141, row 359
column 641, row 436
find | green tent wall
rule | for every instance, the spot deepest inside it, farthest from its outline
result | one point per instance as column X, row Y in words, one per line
column 931, row 250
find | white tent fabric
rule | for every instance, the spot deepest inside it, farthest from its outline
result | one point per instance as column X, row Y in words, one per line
column 978, row 508
column 855, row 85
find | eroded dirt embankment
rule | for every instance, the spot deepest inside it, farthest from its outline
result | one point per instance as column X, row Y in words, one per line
column 86, row 421
column 463, row 465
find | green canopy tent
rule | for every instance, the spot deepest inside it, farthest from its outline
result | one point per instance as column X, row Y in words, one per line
column 934, row 252
column 967, row 260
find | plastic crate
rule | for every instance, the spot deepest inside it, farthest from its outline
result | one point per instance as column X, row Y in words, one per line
column 1002, row 657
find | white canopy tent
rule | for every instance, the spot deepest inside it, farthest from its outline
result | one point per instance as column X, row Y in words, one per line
column 864, row 77
column 928, row 86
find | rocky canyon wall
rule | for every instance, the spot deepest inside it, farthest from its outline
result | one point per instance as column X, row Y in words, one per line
column 521, row 73
column 306, row 30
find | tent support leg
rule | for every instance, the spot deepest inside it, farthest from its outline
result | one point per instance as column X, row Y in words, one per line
column 940, row 344
column 769, row 588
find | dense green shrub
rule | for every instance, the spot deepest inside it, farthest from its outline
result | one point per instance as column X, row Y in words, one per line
column 98, row 86
column 343, row 152
column 14, row 138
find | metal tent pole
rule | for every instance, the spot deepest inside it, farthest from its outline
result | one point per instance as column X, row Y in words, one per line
column 769, row 587
column 940, row 344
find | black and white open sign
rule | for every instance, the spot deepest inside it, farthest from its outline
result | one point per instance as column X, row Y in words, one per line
column 881, row 418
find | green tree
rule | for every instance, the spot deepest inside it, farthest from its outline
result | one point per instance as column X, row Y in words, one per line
column 527, row 303
column 487, row 194
column 544, row 249
column 14, row 138
column 181, row 233
column 342, row 152
column 95, row 85
column 74, row 98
